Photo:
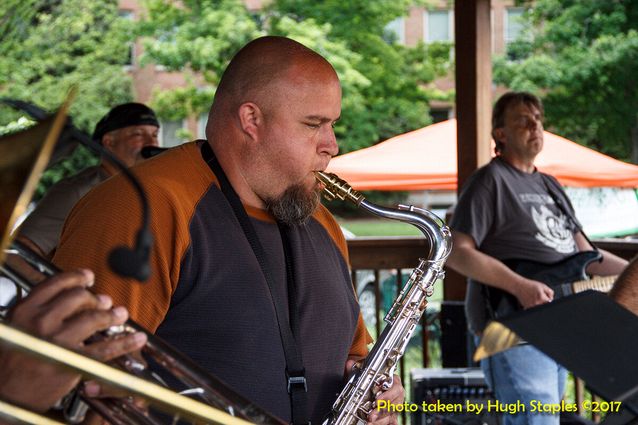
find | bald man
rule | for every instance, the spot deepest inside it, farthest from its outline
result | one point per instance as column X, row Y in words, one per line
column 245, row 254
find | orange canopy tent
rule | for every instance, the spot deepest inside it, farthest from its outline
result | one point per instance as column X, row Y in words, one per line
column 425, row 159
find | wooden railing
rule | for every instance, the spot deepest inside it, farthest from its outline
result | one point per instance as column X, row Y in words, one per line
column 400, row 253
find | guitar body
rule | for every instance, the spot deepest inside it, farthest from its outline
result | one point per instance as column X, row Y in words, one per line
column 558, row 276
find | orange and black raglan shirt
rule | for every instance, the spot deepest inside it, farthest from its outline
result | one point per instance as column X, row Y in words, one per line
column 207, row 295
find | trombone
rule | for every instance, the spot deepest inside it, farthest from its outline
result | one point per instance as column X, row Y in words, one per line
column 23, row 157
column 164, row 397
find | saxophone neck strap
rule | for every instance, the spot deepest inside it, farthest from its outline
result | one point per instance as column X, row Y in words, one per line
column 295, row 371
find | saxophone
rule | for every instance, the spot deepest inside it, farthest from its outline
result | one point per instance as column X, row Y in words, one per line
column 357, row 399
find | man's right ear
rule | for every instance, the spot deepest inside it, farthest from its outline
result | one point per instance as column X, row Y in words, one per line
column 250, row 119
column 498, row 134
column 107, row 141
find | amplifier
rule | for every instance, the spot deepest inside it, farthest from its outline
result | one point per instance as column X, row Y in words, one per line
column 450, row 396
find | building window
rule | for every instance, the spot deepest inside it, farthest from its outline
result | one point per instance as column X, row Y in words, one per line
column 513, row 25
column 130, row 60
column 395, row 31
column 201, row 125
column 438, row 25
column 169, row 133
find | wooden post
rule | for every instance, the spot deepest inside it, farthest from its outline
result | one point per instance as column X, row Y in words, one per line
column 473, row 55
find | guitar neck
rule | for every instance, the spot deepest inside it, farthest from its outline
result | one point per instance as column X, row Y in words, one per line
column 597, row 283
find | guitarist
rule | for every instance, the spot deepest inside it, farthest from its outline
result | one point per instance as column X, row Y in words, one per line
column 510, row 210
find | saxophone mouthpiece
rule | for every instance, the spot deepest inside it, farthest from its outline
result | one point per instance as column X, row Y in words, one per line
column 336, row 188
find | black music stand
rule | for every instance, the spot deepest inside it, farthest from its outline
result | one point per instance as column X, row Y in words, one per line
column 592, row 336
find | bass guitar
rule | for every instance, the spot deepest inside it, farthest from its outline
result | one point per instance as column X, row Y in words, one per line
column 565, row 277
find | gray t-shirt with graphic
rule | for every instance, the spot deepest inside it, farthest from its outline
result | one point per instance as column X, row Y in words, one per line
column 511, row 214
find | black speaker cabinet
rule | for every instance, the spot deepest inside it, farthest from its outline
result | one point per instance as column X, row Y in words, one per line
column 451, row 396
column 455, row 340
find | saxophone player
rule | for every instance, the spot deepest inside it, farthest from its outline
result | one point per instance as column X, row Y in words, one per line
column 249, row 272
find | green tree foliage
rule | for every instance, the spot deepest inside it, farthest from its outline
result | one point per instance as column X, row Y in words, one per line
column 50, row 46
column 383, row 82
column 582, row 58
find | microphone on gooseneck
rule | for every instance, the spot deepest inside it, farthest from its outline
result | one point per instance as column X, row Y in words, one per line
column 124, row 260
column 133, row 263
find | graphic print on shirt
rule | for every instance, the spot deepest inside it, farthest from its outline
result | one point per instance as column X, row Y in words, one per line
column 553, row 230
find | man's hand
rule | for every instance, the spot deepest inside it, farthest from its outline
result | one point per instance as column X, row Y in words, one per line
column 395, row 395
column 62, row 311
column 531, row 293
